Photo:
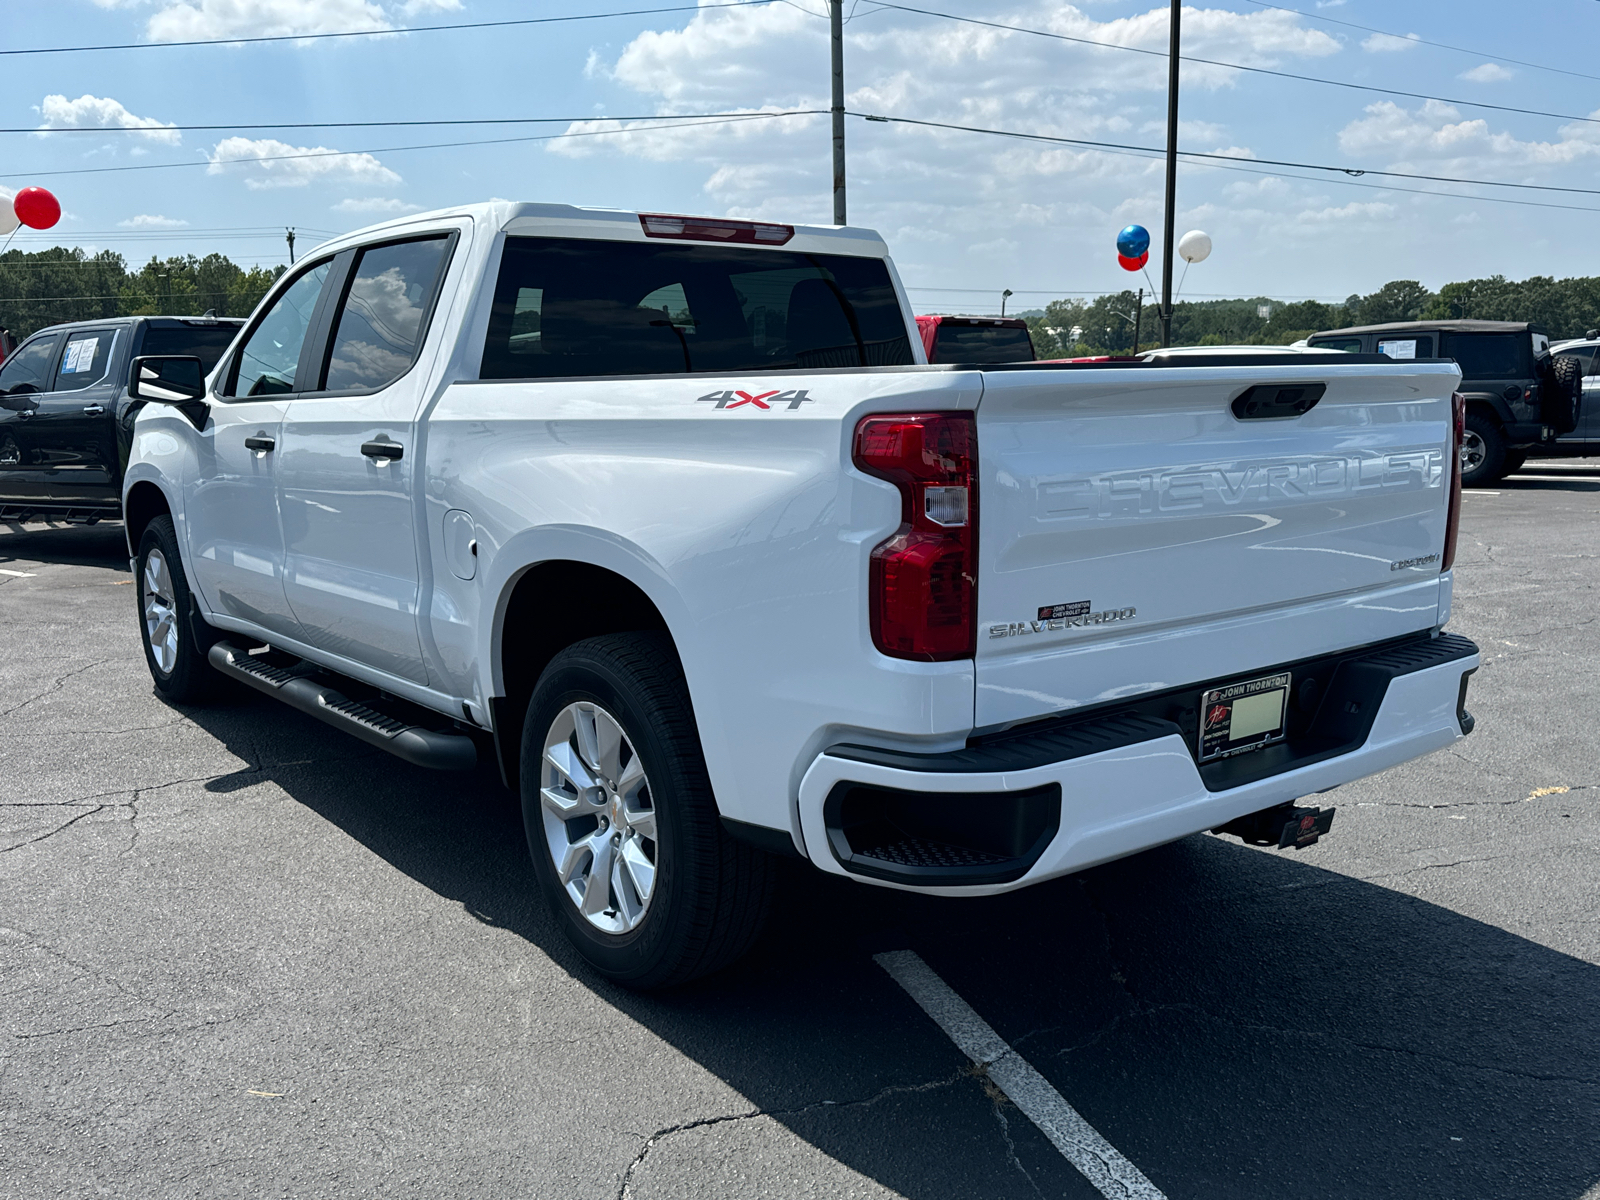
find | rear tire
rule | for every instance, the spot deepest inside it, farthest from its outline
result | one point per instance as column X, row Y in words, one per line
column 175, row 638
column 1483, row 451
column 621, row 822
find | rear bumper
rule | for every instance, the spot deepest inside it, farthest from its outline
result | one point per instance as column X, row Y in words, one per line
column 1127, row 782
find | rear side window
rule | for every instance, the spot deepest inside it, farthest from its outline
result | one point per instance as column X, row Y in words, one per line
column 1407, row 347
column 85, row 360
column 573, row 307
column 1490, row 355
column 205, row 342
column 384, row 314
column 1348, row 345
column 28, row 369
column 982, row 344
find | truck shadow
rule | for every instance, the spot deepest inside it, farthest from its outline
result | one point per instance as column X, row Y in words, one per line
column 1238, row 1023
column 98, row 545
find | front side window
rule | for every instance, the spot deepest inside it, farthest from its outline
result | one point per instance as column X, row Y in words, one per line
column 86, row 359
column 271, row 356
column 28, row 369
column 573, row 307
column 380, row 325
column 1348, row 345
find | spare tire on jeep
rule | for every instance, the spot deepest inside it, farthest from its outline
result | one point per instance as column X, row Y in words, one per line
column 1561, row 396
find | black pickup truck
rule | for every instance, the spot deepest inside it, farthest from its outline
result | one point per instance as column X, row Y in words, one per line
column 65, row 418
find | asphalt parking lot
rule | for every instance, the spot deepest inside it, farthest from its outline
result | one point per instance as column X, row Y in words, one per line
column 244, row 955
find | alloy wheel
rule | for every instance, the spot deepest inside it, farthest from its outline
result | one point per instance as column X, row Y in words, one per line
column 1472, row 451
column 599, row 818
column 160, row 611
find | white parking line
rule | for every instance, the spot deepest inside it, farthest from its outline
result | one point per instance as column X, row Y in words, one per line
column 1097, row 1159
column 1477, row 492
column 17, row 574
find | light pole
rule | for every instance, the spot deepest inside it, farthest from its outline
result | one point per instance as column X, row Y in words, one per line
column 288, row 236
column 1172, row 175
column 836, row 26
column 1004, row 296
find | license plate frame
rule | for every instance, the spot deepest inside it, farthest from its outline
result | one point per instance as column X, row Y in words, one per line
column 1220, row 705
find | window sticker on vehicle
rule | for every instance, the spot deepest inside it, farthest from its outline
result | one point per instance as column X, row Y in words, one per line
column 1404, row 348
column 80, row 355
column 764, row 401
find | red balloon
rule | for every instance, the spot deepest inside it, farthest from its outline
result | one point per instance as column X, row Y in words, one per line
column 1123, row 261
column 36, row 208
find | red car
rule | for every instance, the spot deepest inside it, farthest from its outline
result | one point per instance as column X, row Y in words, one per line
column 976, row 339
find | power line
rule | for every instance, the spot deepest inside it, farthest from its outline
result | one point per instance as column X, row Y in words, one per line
column 681, row 123
column 427, row 122
column 356, row 33
column 1211, row 62
column 1230, row 158
column 1422, row 41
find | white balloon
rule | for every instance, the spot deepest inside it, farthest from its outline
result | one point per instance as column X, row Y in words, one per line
column 8, row 218
column 1194, row 246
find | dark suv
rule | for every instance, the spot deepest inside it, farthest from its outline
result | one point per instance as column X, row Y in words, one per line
column 65, row 419
column 1519, row 398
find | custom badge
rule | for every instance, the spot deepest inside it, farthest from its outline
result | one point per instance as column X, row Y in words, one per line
column 765, row 401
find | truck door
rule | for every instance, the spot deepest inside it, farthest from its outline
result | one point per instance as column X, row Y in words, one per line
column 24, row 380
column 74, row 430
column 349, row 456
column 231, row 505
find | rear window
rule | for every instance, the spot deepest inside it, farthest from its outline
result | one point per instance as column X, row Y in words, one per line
column 572, row 307
column 982, row 344
column 1490, row 355
column 205, row 342
column 1348, row 345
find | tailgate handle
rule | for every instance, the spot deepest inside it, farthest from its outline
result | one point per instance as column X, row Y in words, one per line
column 1268, row 400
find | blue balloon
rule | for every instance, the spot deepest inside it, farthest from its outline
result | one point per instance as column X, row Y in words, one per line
column 1133, row 241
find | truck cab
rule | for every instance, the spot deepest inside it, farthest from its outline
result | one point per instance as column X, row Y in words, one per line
column 65, row 417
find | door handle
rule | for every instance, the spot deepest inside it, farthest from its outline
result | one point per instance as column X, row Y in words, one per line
column 94, row 410
column 383, row 450
column 257, row 442
column 24, row 414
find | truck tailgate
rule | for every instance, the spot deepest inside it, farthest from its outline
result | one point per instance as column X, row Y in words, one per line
column 1134, row 534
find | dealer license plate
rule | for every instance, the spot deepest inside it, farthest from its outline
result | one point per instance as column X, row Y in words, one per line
column 1243, row 716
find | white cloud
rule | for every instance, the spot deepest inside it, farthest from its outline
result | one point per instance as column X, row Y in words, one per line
column 150, row 221
column 180, row 22
column 1434, row 135
column 96, row 112
column 375, row 204
column 269, row 163
column 1487, row 73
column 412, row 7
column 1388, row 43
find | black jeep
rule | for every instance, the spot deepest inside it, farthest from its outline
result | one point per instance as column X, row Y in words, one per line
column 1519, row 398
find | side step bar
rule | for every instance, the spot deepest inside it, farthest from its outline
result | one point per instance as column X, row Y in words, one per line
column 424, row 747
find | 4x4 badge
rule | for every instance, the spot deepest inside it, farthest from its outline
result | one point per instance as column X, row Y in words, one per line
column 762, row 400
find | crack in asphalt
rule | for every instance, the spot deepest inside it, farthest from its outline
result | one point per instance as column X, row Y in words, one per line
column 1011, row 1149
column 58, row 829
column 625, row 1188
column 39, row 943
column 54, row 687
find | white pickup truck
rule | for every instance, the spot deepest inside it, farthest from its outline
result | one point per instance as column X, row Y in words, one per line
column 673, row 513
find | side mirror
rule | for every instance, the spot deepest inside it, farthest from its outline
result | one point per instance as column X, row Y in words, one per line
column 176, row 380
column 19, row 400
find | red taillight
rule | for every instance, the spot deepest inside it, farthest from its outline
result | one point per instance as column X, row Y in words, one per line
column 1452, row 524
column 924, row 578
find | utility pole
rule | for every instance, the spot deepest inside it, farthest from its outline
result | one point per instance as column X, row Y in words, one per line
column 288, row 236
column 1138, row 318
column 836, row 22
column 1172, row 176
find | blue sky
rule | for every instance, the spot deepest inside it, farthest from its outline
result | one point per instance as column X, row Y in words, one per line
column 965, row 215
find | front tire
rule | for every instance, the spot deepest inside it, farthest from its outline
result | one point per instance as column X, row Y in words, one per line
column 621, row 823
column 175, row 638
column 1483, row 451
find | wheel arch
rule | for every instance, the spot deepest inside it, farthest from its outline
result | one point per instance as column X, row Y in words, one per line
column 543, row 607
column 143, row 502
column 1491, row 403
